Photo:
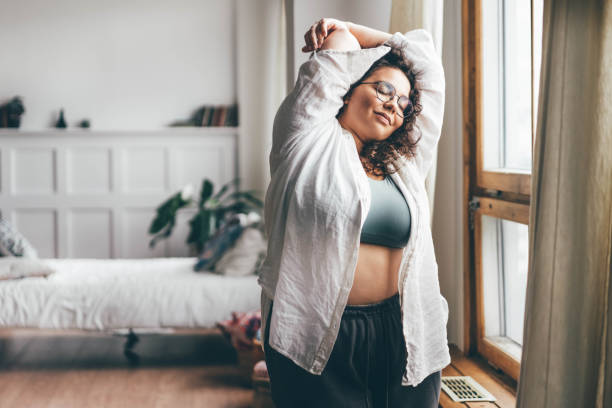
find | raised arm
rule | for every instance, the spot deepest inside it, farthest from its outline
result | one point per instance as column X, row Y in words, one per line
column 323, row 80
column 317, row 36
column 418, row 49
column 366, row 36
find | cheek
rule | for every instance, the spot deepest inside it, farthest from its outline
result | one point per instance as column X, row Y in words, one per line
column 362, row 103
column 367, row 104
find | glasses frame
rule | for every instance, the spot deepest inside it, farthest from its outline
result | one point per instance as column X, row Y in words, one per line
column 399, row 111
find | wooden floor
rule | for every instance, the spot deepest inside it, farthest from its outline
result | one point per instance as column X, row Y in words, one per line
column 90, row 371
column 500, row 385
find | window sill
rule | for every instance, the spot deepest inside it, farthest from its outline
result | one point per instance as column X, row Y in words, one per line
column 497, row 383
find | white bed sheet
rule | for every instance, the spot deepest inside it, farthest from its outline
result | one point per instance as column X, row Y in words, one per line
column 107, row 294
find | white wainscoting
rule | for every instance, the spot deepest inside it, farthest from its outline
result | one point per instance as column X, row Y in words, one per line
column 93, row 194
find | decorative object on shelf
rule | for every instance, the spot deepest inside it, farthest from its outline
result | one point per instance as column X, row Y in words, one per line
column 214, row 213
column 10, row 113
column 85, row 124
column 208, row 115
column 61, row 121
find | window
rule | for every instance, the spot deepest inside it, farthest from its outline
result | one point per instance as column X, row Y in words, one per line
column 502, row 51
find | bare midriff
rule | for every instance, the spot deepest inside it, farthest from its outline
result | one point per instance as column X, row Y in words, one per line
column 376, row 274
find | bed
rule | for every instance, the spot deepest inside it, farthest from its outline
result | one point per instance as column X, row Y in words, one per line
column 126, row 296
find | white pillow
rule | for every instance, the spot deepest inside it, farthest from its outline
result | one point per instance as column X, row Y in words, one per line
column 17, row 268
column 241, row 259
column 12, row 243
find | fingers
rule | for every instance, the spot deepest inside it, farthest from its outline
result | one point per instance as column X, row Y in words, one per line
column 311, row 39
column 315, row 36
column 322, row 29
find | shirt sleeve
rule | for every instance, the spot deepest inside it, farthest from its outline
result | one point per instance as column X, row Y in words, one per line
column 316, row 98
column 417, row 48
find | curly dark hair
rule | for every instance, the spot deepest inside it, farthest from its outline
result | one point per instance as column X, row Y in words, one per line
column 378, row 157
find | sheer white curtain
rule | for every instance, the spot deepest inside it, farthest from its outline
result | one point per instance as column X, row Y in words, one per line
column 261, row 72
column 567, row 343
column 409, row 15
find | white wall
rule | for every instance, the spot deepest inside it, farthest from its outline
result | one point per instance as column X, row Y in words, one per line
column 83, row 194
column 123, row 64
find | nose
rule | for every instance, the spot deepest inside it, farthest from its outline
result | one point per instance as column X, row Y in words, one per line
column 392, row 105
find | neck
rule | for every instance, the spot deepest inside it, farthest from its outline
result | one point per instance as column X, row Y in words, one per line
column 358, row 141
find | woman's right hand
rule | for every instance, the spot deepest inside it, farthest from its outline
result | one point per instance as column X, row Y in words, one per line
column 318, row 32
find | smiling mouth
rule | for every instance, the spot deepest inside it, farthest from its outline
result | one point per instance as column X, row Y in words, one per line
column 383, row 117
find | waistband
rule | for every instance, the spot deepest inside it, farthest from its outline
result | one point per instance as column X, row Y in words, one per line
column 387, row 304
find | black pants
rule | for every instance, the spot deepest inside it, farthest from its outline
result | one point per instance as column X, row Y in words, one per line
column 365, row 367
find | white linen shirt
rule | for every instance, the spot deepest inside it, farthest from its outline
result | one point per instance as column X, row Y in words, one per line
column 317, row 202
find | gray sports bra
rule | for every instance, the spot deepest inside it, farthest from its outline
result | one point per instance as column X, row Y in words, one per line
column 388, row 221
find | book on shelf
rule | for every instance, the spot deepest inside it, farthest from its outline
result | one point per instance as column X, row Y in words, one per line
column 197, row 117
column 231, row 118
column 222, row 115
column 215, row 116
column 208, row 110
column 219, row 115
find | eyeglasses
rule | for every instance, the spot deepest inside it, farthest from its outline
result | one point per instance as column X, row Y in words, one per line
column 386, row 92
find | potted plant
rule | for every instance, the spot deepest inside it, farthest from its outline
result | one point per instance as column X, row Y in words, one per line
column 212, row 209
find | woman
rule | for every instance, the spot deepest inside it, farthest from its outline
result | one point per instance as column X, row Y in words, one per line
column 352, row 314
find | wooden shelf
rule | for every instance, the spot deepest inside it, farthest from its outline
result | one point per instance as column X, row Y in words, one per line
column 500, row 385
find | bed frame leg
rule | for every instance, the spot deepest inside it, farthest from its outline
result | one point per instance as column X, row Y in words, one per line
column 130, row 342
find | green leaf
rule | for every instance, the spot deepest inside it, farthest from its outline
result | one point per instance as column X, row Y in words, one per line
column 194, row 231
column 200, row 229
column 162, row 218
column 207, row 189
column 166, row 217
column 158, row 223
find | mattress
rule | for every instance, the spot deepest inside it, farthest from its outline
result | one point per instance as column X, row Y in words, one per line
column 108, row 294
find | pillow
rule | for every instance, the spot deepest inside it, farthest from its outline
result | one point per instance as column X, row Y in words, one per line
column 12, row 243
column 224, row 238
column 242, row 259
column 216, row 246
column 17, row 268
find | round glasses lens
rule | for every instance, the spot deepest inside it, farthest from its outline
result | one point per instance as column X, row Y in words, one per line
column 386, row 89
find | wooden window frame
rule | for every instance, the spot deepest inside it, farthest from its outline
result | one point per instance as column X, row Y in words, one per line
column 489, row 349
column 500, row 193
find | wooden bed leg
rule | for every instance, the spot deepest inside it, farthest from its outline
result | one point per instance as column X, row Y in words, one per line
column 130, row 342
